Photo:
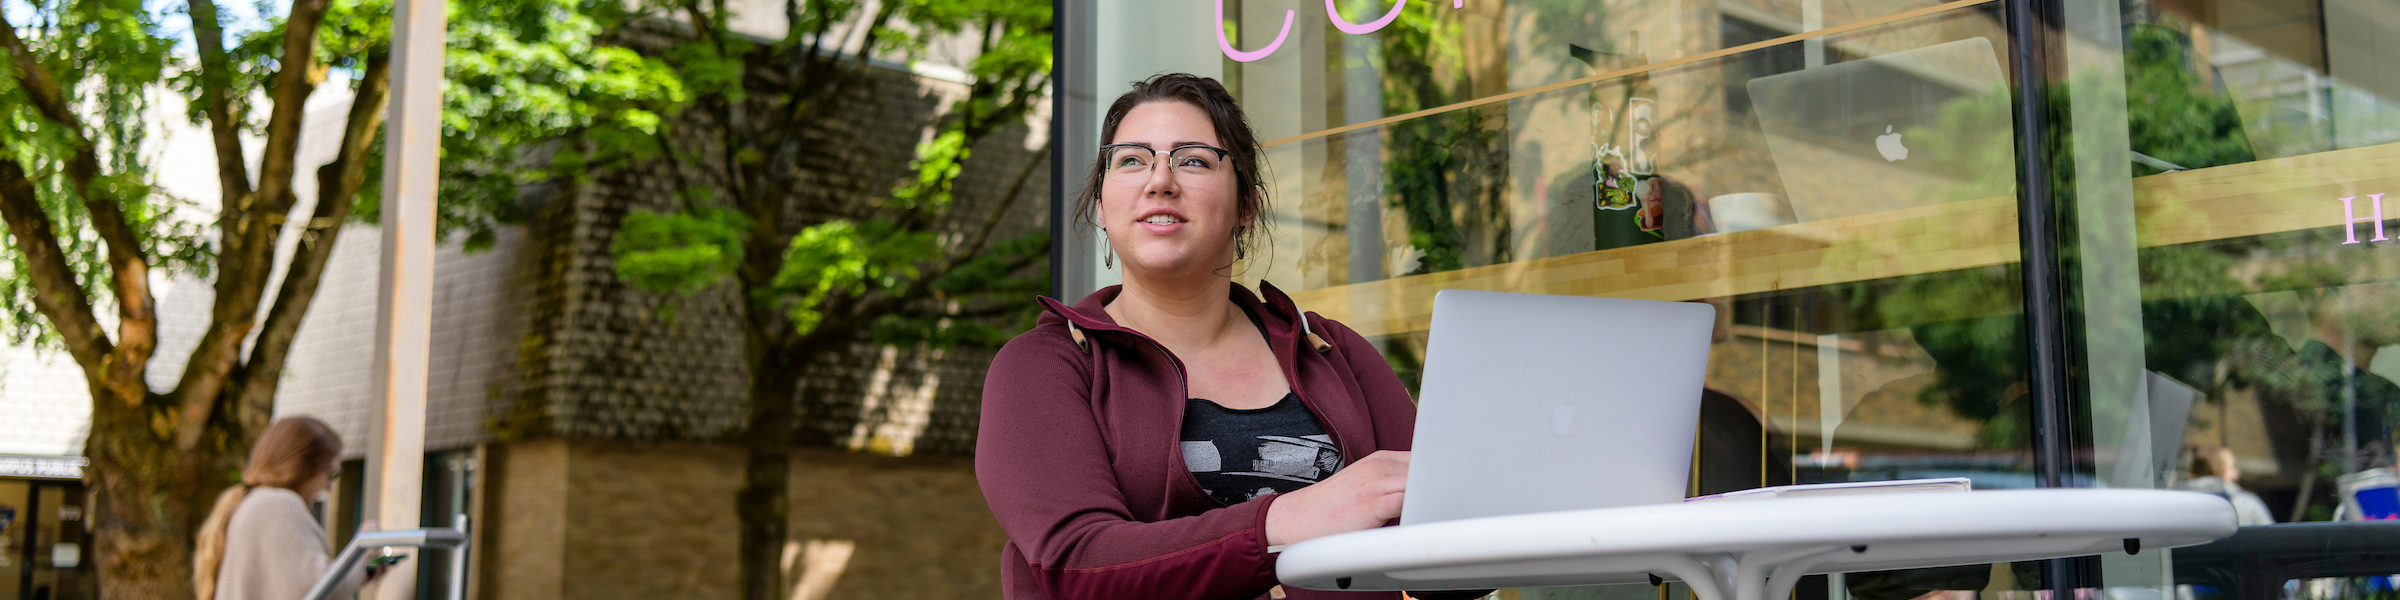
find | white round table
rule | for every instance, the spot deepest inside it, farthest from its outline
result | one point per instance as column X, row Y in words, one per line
column 1749, row 550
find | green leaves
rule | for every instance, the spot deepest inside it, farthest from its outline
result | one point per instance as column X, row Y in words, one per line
column 888, row 257
column 527, row 78
column 851, row 258
column 102, row 61
column 937, row 165
column 707, row 72
column 680, row 253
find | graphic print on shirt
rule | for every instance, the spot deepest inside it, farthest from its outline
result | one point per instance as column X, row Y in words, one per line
column 1282, row 464
column 1238, row 455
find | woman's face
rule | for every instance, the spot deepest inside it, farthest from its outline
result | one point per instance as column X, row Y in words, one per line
column 1169, row 222
column 316, row 484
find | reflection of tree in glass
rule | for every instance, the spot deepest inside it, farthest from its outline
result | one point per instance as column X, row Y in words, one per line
column 1445, row 173
column 2172, row 114
column 2172, row 117
column 2201, row 322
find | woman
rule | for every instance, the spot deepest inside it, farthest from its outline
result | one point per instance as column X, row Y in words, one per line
column 2215, row 472
column 260, row 543
column 1157, row 439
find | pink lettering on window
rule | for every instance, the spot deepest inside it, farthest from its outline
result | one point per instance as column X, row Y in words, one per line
column 1253, row 55
column 2350, row 218
column 1331, row 13
column 1353, row 29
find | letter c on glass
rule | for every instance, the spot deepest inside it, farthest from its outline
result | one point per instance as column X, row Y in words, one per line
column 1240, row 56
column 1370, row 27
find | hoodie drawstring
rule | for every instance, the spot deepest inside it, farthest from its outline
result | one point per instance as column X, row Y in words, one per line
column 1313, row 341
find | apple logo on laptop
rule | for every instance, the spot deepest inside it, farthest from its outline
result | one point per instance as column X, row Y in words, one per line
column 1889, row 145
column 1562, row 420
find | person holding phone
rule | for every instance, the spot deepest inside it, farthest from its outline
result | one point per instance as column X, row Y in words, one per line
column 260, row 543
column 1163, row 438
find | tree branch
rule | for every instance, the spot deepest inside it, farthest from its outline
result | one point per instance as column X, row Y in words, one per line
column 233, row 171
column 338, row 185
column 293, row 84
column 874, row 33
column 56, row 294
column 704, row 26
column 249, row 226
column 137, row 322
column 809, row 90
column 1015, row 191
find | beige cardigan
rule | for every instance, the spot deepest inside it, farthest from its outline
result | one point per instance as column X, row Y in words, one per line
column 275, row 551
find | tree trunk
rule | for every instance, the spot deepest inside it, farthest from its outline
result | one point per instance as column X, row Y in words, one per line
column 151, row 497
column 765, row 498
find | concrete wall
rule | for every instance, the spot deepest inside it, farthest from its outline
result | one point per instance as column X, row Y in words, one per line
column 592, row 519
column 520, row 548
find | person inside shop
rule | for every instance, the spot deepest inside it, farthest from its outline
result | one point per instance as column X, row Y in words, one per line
column 1163, row 438
column 260, row 543
column 2213, row 471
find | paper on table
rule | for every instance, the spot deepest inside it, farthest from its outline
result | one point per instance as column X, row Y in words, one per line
column 1852, row 488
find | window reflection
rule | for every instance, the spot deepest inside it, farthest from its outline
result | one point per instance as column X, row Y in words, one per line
column 2273, row 325
column 1870, row 300
column 2247, row 122
column 1870, row 319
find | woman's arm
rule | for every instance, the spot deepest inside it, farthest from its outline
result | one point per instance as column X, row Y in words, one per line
column 1044, row 468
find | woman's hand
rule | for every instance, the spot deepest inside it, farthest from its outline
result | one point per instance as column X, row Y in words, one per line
column 1362, row 496
column 374, row 572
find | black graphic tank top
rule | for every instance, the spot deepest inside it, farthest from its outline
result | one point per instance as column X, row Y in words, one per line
column 1238, row 455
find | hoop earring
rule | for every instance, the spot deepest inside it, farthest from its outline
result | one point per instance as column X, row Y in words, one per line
column 1108, row 261
column 1240, row 244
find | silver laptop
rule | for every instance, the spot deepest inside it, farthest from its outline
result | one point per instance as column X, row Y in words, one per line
column 1535, row 403
column 1890, row 132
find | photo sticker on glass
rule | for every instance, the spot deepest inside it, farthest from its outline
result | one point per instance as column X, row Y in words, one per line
column 1640, row 131
column 1650, row 192
column 1612, row 187
column 1628, row 208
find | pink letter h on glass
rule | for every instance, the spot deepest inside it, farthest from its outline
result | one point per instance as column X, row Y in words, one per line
column 2350, row 218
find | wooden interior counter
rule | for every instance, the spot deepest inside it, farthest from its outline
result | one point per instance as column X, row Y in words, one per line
column 2249, row 199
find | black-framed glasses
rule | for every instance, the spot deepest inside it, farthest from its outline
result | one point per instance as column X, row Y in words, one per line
column 1193, row 163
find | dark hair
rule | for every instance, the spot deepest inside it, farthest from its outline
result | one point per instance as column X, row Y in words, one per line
column 1233, row 130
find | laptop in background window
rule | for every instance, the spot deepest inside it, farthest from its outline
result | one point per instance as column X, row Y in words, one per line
column 1890, row 132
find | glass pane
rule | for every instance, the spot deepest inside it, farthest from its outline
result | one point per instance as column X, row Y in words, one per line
column 2232, row 161
column 1354, row 65
column 1852, row 219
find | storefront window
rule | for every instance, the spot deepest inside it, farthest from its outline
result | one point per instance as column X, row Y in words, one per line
column 2230, row 165
column 1837, row 179
column 1842, row 181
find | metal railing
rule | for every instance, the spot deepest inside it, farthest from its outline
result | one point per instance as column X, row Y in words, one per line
column 452, row 538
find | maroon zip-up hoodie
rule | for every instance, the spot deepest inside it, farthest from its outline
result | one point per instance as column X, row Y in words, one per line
column 1079, row 454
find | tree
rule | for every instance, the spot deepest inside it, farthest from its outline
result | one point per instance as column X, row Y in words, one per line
column 88, row 223
column 818, row 265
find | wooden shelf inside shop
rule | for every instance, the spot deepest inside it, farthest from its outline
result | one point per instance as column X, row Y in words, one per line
column 2248, row 199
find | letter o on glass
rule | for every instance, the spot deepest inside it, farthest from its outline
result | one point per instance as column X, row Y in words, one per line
column 1253, row 55
column 1354, row 29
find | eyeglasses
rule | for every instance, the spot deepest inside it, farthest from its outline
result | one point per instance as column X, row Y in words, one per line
column 1193, row 163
